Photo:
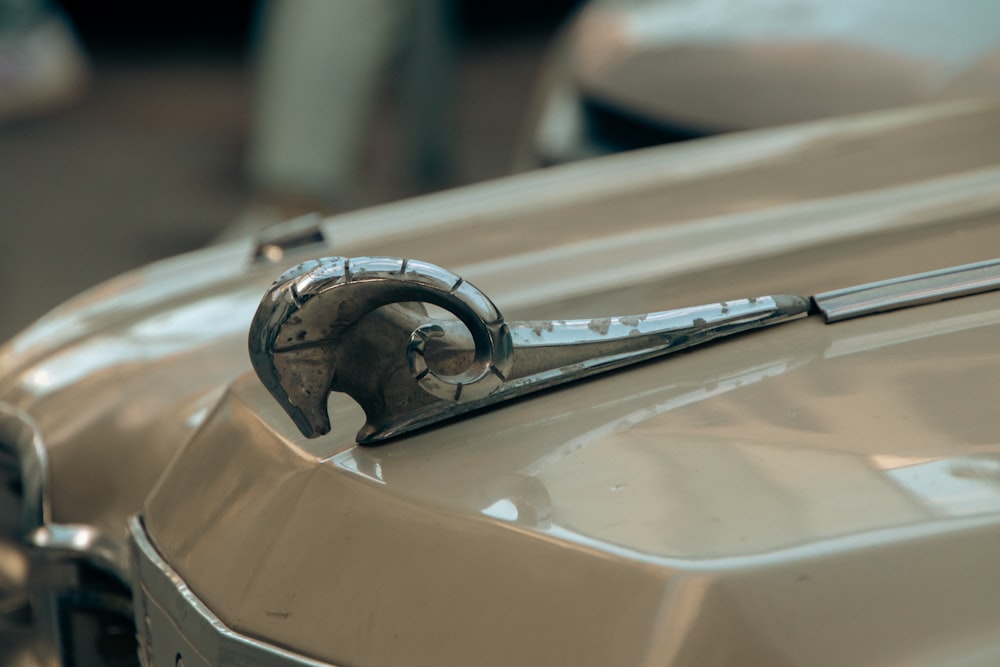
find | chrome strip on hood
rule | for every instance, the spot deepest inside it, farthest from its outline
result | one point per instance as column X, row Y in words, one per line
column 915, row 290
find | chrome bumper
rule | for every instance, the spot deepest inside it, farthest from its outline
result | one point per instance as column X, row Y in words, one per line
column 176, row 629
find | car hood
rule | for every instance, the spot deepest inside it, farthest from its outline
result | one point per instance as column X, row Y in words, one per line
column 806, row 494
column 582, row 503
column 765, row 489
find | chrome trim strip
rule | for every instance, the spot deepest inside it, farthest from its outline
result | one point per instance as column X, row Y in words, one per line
column 906, row 291
column 175, row 627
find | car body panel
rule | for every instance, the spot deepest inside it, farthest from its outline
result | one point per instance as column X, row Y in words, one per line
column 807, row 494
column 797, row 482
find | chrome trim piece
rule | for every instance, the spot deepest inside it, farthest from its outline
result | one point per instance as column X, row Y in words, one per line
column 339, row 324
column 906, row 291
column 175, row 627
column 86, row 542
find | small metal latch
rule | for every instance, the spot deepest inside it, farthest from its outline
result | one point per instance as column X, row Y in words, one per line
column 355, row 326
column 273, row 242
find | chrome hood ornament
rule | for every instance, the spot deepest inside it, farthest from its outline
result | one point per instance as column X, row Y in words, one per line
column 357, row 326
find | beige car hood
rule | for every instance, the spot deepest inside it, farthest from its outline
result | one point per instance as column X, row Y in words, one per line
column 808, row 494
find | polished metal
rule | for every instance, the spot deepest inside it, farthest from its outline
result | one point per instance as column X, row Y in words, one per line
column 351, row 325
column 906, row 291
column 174, row 627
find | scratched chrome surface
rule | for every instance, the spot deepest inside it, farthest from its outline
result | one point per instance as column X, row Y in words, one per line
column 338, row 324
column 793, row 466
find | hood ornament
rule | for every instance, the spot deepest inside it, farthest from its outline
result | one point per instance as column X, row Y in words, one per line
column 357, row 326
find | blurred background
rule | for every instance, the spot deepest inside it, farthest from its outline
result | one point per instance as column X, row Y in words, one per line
column 145, row 155
column 167, row 127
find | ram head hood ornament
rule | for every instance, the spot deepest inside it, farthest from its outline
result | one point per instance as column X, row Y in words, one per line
column 359, row 326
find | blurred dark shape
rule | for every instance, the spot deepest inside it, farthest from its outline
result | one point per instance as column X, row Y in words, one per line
column 320, row 67
column 42, row 66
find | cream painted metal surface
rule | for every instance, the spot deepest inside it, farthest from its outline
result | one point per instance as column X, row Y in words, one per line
column 117, row 379
column 808, row 494
column 187, row 632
